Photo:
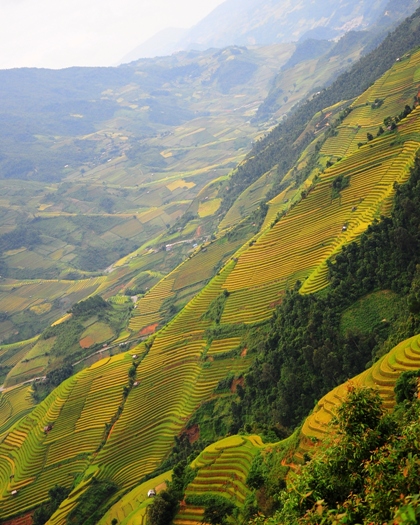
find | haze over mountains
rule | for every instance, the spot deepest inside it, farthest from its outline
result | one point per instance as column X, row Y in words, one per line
column 251, row 22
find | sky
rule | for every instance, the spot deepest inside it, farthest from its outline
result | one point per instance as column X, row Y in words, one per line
column 64, row 33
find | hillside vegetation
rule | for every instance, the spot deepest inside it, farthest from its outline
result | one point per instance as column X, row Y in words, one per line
column 265, row 291
column 118, row 163
column 357, row 437
column 144, row 398
column 90, row 186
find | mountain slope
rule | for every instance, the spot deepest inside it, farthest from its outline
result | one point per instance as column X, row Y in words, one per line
column 281, row 21
column 161, row 44
column 182, row 365
column 83, row 198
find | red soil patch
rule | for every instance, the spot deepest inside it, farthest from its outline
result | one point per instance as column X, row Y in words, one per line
column 26, row 519
column 87, row 341
column 235, row 383
column 193, row 433
column 198, row 231
column 244, row 352
column 276, row 303
column 149, row 329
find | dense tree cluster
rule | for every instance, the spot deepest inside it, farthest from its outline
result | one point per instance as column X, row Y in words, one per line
column 56, row 495
column 91, row 306
column 91, row 505
column 20, row 236
column 165, row 505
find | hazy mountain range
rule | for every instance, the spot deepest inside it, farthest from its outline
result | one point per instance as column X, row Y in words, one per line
column 248, row 22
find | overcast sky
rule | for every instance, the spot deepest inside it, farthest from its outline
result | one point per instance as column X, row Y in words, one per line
column 63, row 33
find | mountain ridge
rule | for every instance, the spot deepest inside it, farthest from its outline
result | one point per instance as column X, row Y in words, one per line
column 249, row 24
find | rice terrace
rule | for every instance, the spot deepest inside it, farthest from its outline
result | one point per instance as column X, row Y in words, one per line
column 210, row 282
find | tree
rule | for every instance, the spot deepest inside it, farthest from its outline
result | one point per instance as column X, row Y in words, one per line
column 57, row 495
column 407, row 385
column 362, row 410
column 107, row 204
column 216, row 510
column 162, row 510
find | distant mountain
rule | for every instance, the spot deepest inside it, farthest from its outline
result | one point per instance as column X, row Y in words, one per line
column 163, row 43
column 252, row 22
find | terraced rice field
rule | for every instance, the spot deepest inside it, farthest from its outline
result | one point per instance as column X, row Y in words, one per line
column 248, row 200
column 299, row 244
column 96, row 333
column 202, row 265
column 396, row 88
column 172, row 382
column 148, row 308
column 151, row 308
column 14, row 404
column 38, row 295
column 382, row 375
column 209, row 207
column 33, row 459
column 131, row 509
column 221, row 346
column 252, row 304
column 173, row 377
column 222, row 469
column 33, row 364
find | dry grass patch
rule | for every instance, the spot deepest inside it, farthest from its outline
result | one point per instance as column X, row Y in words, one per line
column 40, row 309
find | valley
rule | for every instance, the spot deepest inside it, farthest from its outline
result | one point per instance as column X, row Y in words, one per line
column 198, row 274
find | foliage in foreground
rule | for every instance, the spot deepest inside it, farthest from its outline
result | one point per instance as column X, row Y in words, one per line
column 368, row 473
column 216, row 508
